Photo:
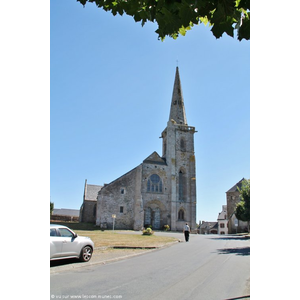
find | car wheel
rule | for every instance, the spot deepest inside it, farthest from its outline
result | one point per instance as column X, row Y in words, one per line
column 86, row 253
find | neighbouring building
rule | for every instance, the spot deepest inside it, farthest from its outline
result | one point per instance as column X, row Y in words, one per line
column 88, row 208
column 161, row 190
column 233, row 198
column 223, row 221
column 208, row 227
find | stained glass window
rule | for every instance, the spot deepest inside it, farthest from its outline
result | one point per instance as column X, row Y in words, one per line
column 154, row 184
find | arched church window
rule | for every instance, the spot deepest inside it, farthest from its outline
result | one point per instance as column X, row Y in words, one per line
column 182, row 186
column 154, row 184
column 181, row 214
column 182, row 144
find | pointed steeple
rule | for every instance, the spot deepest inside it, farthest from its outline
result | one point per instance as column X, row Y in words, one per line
column 177, row 111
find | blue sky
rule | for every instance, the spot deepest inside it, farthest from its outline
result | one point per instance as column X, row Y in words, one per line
column 111, row 85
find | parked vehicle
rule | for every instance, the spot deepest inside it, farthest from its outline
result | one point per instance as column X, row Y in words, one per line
column 65, row 243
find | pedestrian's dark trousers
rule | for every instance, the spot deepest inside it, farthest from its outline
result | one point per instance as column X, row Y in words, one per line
column 187, row 235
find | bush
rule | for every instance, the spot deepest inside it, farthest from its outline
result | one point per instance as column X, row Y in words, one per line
column 166, row 227
column 148, row 231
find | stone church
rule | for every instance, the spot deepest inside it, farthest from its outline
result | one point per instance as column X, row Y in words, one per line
column 160, row 191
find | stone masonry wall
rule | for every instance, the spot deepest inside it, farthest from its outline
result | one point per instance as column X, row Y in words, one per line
column 185, row 162
column 118, row 198
column 89, row 211
column 155, row 200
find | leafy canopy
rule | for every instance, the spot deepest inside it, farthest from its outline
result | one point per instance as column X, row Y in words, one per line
column 242, row 210
column 175, row 17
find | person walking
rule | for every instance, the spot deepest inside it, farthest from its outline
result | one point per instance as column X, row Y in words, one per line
column 186, row 230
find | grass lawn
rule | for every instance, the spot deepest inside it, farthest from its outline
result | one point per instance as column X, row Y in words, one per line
column 117, row 238
column 109, row 238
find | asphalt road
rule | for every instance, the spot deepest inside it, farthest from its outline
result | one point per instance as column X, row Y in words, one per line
column 208, row 267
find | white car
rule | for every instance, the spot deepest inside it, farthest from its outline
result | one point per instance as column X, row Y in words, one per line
column 65, row 243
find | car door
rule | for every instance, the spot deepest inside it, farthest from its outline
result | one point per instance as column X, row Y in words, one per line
column 56, row 243
column 69, row 243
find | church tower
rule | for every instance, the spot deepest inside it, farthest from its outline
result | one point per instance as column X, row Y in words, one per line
column 178, row 152
column 162, row 189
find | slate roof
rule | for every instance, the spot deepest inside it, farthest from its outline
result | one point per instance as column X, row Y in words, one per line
column 209, row 224
column 65, row 212
column 234, row 188
column 107, row 184
column 92, row 191
column 154, row 158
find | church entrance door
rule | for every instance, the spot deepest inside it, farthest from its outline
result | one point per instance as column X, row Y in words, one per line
column 152, row 217
column 148, row 216
column 156, row 219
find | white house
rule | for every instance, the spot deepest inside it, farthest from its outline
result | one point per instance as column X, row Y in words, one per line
column 223, row 221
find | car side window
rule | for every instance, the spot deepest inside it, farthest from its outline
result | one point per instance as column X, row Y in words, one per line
column 53, row 232
column 65, row 232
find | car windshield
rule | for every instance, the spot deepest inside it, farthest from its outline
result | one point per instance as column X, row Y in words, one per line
column 65, row 232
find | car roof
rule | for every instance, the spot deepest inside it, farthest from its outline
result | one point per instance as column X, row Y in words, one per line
column 57, row 225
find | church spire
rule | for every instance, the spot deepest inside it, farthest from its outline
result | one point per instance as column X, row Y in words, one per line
column 177, row 111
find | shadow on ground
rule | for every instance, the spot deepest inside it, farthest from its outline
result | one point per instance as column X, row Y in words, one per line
column 228, row 237
column 61, row 262
column 238, row 251
column 243, row 297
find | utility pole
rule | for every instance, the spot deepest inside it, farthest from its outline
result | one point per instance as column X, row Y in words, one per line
column 113, row 217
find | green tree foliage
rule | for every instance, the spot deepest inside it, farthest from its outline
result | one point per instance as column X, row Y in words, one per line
column 175, row 17
column 242, row 210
